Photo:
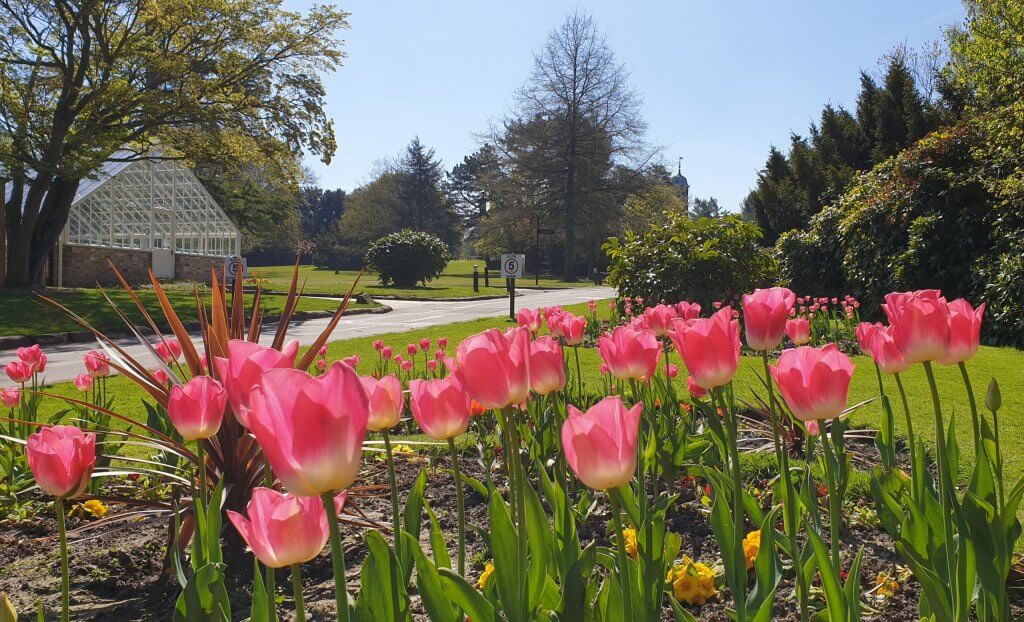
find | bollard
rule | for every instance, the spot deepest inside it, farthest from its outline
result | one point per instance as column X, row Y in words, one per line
column 476, row 278
column 597, row 277
column 487, row 276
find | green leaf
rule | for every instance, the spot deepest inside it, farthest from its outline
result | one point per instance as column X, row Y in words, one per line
column 510, row 580
column 435, row 601
column 382, row 595
column 204, row 598
column 441, row 557
column 411, row 517
column 260, row 611
column 470, row 600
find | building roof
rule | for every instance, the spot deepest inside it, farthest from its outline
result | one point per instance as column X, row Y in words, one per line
column 108, row 170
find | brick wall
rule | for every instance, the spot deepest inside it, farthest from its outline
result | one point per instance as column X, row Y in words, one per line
column 84, row 266
column 196, row 267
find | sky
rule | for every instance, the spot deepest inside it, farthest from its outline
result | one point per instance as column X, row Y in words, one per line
column 721, row 81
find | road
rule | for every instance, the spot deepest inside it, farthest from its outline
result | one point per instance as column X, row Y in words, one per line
column 65, row 360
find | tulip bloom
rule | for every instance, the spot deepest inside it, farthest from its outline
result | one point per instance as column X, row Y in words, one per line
column 386, row 402
column 659, row 319
column 311, row 429
column 865, row 332
column 84, row 382
column 244, row 367
column 630, row 355
column 572, row 328
column 814, row 381
column 885, row 353
column 688, row 310
column 282, row 529
column 441, row 407
column 710, row 348
column 547, row 366
column 695, row 389
column 798, row 330
column 442, row 342
column 34, row 356
column 494, row 367
column 531, row 319
column 351, row 361
column 161, row 376
column 11, row 398
column 169, row 350
column 197, row 408
column 61, row 458
column 964, row 331
column 672, row 370
column 600, row 445
column 96, row 363
column 920, row 323
column 765, row 313
column 19, row 371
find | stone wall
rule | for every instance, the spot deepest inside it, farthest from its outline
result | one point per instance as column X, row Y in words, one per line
column 85, row 266
column 196, row 267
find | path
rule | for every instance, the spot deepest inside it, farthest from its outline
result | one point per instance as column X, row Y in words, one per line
column 65, row 360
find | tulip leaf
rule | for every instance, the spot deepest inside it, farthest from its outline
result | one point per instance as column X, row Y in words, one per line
column 383, row 595
column 260, row 610
column 441, row 557
column 509, row 577
column 835, row 599
column 411, row 517
column 573, row 606
column 7, row 612
column 435, row 601
column 680, row 612
column 539, row 537
column 204, row 598
column 477, row 607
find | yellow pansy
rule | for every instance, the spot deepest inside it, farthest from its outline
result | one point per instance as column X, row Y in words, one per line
column 692, row 582
column 751, row 545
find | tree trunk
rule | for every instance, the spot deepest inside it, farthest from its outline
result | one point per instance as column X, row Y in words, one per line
column 31, row 236
column 569, row 266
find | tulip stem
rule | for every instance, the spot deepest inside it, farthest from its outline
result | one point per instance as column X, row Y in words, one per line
column 835, row 504
column 201, row 455
column 945, row 484
column 579, row 375
column 976, row 428
column 910, row 432
column 395, row 525
column 739, row 532
column 65, row 578
column 461, row 503
column 337, row 558
column 300, row 607
column 620, row 549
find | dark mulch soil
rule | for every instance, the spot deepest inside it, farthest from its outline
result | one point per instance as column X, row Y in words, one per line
column 118, row 573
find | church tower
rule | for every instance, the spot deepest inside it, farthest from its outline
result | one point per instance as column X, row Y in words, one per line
column 680, row 185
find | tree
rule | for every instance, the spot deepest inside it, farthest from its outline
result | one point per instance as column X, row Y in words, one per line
column 707, row 208
column 656, row 206
column 371, row 212
column 319, row 209
column 84, row 79
column 579, row 93
column 424, row 204
column 466, row 184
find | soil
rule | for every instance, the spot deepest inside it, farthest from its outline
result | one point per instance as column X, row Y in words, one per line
column 117, row 572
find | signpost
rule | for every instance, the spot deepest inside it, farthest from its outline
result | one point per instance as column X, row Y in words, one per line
column 234, row 267
column 512, row 269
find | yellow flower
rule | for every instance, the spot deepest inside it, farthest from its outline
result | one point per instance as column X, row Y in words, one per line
column 95, row 507
column 692, row 582
column 885, row 586
column 629, row 537
column 482, row 581
column 751, row 545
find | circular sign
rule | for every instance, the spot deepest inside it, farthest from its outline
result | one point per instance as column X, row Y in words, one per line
column 512, row 265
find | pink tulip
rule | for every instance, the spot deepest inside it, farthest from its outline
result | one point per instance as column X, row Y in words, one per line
column 282, row 529
column 765, row 313
column 798, row 330
column 659, row 319
column 425, row 344
column 814, row 381
column 432, row 366
column 34, row 356
column 813, row 428
column 84, row 382
column 695, row 389
column 604, row 369
column 161, row 376
column 550, row 312
column 885, row 353
column 386, row 402
column 494, row 367
column 311, row 429
column 555, row 326
column 865, row 333
column 351, row 361
column 168, row 350
column 11, row 398
column 964, row 331
column 573, row 328
column 408, row 365
column 321, row 364
column 96, row 363
column 244, row 367
column 600, row 445
column 197, row 408
column 322, row 352
column 547, row 366
column 61, row 458
column 386, row 352
column 531, row 319
column 378, row 345
column 19, row 371
column 672, row 371
column 411, row 349
column 442, row 342
column 688, row 310
column 920, row 323
column 630, row 354
column 709, row 347
column 441, row 407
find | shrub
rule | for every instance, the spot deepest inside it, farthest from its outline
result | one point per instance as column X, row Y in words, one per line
column 408, row 257
column 701, row 260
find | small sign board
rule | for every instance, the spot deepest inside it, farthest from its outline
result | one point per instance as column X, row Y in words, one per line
column 512, row 266
column 234, row 267
column 546, row 231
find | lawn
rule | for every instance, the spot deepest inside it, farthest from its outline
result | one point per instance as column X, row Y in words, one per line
column 1004, row 364
column 24, row 314
column 456, row 282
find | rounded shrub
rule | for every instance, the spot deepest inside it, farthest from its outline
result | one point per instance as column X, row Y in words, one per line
column 408, row 257
column 701, row 260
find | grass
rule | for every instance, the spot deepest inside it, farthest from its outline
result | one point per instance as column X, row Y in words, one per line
column 1004, row 364
column 456, row 282
column 23, row 314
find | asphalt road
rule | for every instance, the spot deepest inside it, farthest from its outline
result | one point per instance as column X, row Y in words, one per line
column 65, row 360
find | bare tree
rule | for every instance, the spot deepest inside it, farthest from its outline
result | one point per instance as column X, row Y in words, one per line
column 581, row 96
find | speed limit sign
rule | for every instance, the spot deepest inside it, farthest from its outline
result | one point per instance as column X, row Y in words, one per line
column 512, row 266
column 234, row 267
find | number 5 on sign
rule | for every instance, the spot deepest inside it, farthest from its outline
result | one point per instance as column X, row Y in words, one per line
column 512, row 266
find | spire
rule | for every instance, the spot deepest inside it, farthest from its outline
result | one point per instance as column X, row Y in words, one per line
column 680, row 169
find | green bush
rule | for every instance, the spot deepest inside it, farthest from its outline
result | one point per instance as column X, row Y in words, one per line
column 810, row 262
column 408, row 257
column 701, row 260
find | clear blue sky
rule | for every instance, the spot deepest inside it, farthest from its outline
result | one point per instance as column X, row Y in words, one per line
column 721, row 81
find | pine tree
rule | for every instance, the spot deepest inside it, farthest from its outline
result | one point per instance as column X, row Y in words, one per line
column 424, row 204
